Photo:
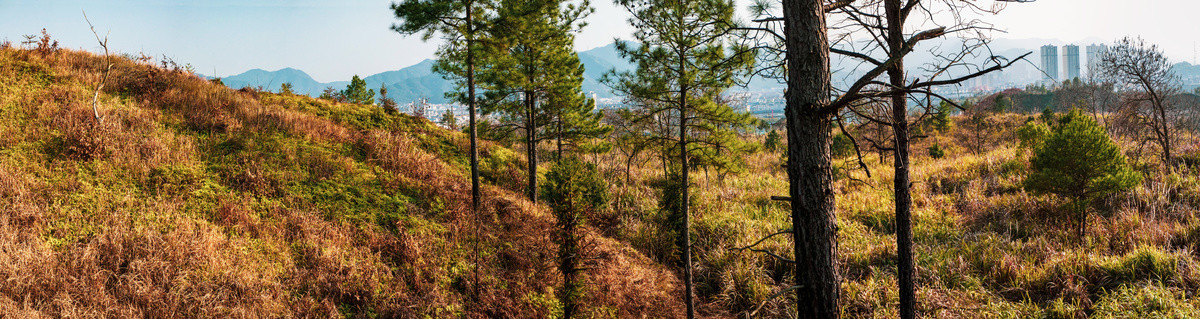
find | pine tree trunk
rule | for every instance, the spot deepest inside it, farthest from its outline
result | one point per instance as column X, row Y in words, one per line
column 475, row 193
column 531, row 144
column 809, row 172
column 901, row 181
column 569, row 256
column 684, row 205
column 560, row 138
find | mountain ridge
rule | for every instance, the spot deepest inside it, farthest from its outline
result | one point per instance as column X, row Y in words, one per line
column 418, row 81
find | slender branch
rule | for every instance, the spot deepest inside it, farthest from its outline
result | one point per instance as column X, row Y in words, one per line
column 857, row 151
column 107, row 68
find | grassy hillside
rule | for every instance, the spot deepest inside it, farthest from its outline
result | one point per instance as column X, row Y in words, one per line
column 193, row 200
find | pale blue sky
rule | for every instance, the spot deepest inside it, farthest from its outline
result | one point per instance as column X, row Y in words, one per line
column 333, row 40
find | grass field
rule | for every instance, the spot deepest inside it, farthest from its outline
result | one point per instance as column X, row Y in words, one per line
column 190, row 199
column 984, row 247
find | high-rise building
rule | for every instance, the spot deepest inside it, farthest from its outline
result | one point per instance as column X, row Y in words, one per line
column 1050, row 62
column 1071, row 61
column 1093, row 55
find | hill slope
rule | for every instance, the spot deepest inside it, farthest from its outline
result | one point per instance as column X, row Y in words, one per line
column 193, row 200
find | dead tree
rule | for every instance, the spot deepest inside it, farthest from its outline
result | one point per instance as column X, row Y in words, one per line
column 798, row 38
column 107, row 67
column 883, row 22
column 1144, row 74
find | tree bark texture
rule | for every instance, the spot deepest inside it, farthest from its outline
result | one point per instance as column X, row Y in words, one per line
column 810, row 176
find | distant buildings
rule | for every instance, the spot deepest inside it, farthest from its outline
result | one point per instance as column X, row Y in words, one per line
column 1071, row 66
column 1071, row 61
column 1050, row 62
column 1093, row 55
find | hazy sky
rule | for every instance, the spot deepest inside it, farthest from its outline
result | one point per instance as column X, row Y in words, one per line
column 333, row 40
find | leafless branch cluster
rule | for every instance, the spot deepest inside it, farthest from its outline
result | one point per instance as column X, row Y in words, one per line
column 107, row 67
column 1148, row 89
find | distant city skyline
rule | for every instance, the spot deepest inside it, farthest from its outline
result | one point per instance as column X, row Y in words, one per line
column 333, row 40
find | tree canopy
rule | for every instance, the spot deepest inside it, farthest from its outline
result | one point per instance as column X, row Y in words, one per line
column 356, row 92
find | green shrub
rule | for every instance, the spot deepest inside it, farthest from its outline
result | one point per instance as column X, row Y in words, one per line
column 1080, row 162
column 1048, row 115
column 773, row 142
column 572, row 189
column 842, row 146
column 936, row 151
column 1032, row 135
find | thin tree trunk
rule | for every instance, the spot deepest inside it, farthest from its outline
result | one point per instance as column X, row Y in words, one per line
column 475, row 193
column 1082, row 212
column 628, row 169
column 560, row 137
column 531, row 144
column 1165, row 135
column 569, row 254
column 684, row 206
column 809, row 160
column 903, row 196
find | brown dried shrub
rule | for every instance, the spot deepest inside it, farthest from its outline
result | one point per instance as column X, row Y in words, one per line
column 253, row 178
column 83, row 137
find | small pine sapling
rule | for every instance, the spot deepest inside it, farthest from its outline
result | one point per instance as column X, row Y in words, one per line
column 1080, row 162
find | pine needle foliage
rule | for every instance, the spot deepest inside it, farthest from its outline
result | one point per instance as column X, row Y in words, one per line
column 1080, row 162
column 573, row 190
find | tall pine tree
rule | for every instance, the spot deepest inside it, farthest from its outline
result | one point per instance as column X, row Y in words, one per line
column 356, row 92
column 576, row 124
column 531, row 63
column 459, row 22
column 682, row 69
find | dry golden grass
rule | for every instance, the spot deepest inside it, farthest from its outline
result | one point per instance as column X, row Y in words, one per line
column 984, row 246
column 194, row 200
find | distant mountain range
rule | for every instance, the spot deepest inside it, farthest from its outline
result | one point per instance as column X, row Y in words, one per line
column 418, row 81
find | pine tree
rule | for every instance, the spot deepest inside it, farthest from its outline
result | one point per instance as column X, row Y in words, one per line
column 682, row 69
column 331, row 94
column 448, row 120
column 773, row 142
column 574, row 189
column 356, row 92
column 459, row 21
column 388, row 104
column 531, row 65
column 576, row 123
column 941, row 120
column 1002, row 103
column 1080, row 162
